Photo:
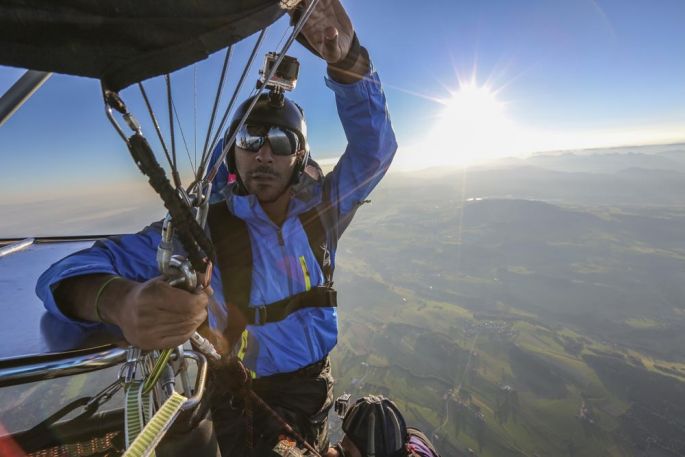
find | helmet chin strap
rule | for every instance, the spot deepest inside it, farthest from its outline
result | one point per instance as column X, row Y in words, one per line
column 242, row 188
column 298, row 170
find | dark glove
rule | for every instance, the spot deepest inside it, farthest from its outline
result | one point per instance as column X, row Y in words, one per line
column 230, row 377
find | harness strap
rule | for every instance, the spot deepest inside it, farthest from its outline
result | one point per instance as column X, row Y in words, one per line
column 313, row 223
column 149, row 437
column 137, row 410
column 234, row 259
column 316, row 297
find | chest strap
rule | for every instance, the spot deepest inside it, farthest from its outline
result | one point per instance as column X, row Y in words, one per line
column 316, row 297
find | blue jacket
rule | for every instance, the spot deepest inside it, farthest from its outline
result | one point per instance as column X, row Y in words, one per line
column 283, row 262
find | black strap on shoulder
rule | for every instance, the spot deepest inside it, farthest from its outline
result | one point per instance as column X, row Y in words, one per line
column 318, row 241
column 234, row 259
column 231, row 239
column 323, row 231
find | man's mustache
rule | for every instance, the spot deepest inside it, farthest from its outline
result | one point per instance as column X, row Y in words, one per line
column 264, row 170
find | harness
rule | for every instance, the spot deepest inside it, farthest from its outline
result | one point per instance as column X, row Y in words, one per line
column 233, row 249
column 234, row 258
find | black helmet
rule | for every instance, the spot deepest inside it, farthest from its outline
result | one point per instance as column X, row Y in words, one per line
column 271, row 109
column 376, row 427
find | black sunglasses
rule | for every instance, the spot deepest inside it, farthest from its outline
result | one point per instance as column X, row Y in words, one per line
column 283, row 142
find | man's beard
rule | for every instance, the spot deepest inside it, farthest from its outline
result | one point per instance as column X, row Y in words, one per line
column 253, row 185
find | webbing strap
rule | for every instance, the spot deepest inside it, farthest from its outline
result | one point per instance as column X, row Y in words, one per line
column 234, row 260
column 146, row 441
column 319, row 241
column 137, row 408
column 317, row 297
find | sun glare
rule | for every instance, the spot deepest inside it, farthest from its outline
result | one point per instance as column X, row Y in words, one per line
column 472, row 128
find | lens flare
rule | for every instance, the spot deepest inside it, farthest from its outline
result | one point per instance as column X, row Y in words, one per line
column 472, row 128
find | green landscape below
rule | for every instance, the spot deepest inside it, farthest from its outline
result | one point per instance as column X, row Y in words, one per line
column 531, row 309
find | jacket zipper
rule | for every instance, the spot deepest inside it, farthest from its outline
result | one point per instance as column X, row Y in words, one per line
column 284, row 252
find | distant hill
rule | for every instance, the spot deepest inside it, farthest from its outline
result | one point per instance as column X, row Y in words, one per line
column 671, row 157
column 627, row 186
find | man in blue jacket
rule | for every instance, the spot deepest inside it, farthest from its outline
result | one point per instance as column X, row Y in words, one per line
column 286, row 323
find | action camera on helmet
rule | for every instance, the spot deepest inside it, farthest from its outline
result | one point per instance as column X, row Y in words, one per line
column 285, row 77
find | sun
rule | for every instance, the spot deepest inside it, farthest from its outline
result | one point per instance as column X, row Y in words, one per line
column 473, row 106
column 471, row 128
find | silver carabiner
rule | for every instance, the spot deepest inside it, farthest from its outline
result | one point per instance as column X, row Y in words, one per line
column 129, row 368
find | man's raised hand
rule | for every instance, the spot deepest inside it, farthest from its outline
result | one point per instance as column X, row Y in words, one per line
column 329, row 30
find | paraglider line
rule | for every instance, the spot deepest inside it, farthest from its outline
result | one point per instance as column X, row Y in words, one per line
column 154, row 122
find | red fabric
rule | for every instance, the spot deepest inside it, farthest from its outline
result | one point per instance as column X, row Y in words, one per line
column 8, row 447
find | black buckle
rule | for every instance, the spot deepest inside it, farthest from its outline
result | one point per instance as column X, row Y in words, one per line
column 260, row 315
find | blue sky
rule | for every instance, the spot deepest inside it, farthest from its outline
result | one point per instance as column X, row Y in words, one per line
column 565, row 74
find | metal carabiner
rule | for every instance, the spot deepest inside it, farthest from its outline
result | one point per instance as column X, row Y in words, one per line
column 104, row 396
column 128, row 370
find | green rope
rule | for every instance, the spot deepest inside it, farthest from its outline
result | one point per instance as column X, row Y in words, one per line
column 157, row 371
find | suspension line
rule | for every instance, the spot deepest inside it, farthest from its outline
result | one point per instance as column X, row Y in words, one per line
column 206, row 154
column 155, row 123
column 174, row 169
column 183, row 136
column 217, row 97
column 195, row 117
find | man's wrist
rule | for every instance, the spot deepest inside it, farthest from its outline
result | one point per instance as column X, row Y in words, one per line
column 113, row 293
column 75, row 297
column 352, row 68
column 99, row 313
